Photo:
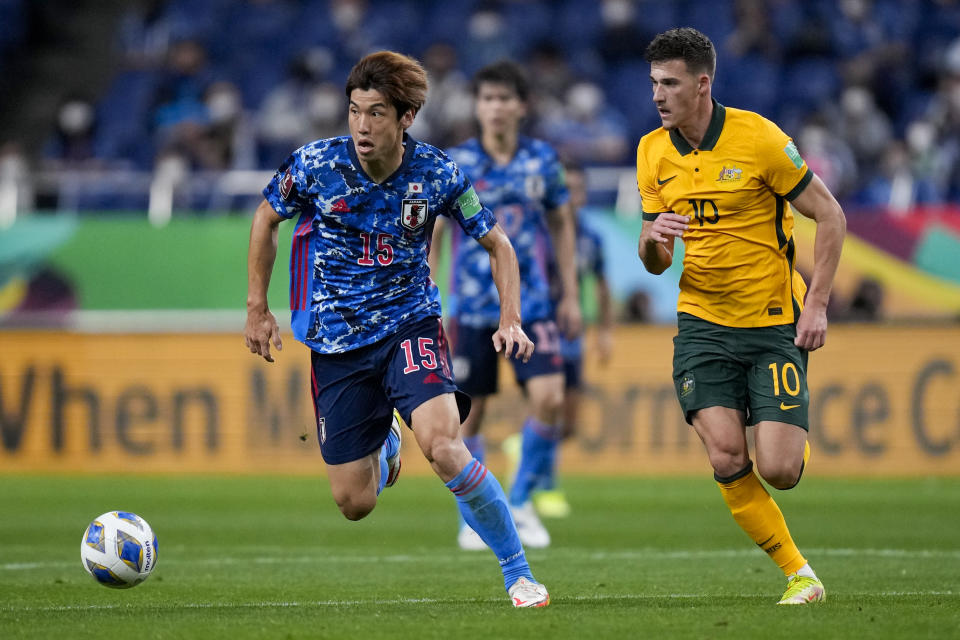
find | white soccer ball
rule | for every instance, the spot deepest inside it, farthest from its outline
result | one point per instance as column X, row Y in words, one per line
column 119, row 549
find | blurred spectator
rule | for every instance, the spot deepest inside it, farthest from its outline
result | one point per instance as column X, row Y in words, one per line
column 621, row 39
column 895, row 186
column 179, row 114
column 753, row 33
column 229, row 137
column 72, row 145
column 284, row 120
column 550, row 79
column 447, row 116
column 486, row 40
column 588, row 131
column 830, row 157
column 637, row 307
column 866, row 304
column 864, row 127
column 16, row 188
column 145, row 34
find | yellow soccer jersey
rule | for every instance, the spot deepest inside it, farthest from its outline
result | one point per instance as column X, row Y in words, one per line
column 738, row 267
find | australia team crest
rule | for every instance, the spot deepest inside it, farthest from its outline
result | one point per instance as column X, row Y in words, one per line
column 413, row 213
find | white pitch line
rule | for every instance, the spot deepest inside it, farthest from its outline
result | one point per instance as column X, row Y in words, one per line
column 634, row 554
column 431, row 601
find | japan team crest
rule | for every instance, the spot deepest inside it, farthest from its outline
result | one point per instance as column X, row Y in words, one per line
column 413, row 213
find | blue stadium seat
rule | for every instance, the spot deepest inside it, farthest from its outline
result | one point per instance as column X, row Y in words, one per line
column 751, row 82
column 810, row 82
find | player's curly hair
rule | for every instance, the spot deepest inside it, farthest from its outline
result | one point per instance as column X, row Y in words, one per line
column 505, row 72
column 399, row 78
column 687, row 44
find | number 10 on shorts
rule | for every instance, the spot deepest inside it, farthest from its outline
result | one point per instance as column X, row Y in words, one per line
column 790, row 376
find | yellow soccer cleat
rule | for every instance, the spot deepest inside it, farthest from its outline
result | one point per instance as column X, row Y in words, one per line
column 551, row 503
column 803, row 590
column 394, row 463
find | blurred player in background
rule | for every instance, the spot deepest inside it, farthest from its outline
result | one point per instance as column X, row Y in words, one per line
column 521, row 180
column 549, row 500
column 362, row 299
column 722, row 180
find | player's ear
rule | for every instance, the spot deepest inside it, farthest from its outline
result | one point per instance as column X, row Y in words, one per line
column 406, row 120
column 704, row 84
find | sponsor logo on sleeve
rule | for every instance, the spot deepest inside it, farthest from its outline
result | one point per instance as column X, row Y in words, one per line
column 469, row 204
column 793, row 154
column 286, row 184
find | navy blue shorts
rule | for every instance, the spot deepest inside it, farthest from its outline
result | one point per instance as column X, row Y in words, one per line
column 355, row 392
column 572, row 351
column 476, row 363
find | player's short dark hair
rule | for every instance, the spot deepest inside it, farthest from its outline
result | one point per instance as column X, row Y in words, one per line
column 399, row 78
column 687, row 44
column 504, row 72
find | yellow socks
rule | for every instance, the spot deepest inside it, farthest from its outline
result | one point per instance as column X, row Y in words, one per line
column 760, row 517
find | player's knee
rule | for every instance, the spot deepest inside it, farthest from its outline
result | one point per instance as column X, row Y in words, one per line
column 781, row 474
column 354, row 508
column 728, row 462
column 354, row 504
column 548, row 407
column 440, row 450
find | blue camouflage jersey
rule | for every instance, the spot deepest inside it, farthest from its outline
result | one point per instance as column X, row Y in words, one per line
column 358, row 262
column 519, row 194
column 590, row 262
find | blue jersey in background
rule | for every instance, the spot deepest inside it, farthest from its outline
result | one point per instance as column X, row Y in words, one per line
column 358, row 262
column 519, row 194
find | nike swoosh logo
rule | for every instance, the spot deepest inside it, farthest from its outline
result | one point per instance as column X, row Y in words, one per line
column 663, row 182
column 785, row 407
column 519, row 602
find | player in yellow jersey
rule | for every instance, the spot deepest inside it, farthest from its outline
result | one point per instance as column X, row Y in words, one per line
column 723, row 180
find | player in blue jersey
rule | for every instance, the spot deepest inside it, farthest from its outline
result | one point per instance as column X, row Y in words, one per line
column 549, row 500
column 362, row 299
column 521, row 180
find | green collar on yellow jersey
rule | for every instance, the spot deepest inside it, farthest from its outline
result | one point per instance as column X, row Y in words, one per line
column 710, row 137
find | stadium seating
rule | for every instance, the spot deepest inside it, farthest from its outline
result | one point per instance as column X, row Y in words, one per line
column 793, row 72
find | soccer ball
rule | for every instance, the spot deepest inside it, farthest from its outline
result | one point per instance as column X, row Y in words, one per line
column 119, row 549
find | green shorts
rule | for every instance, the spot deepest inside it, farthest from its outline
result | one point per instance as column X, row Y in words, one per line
column 757, row 370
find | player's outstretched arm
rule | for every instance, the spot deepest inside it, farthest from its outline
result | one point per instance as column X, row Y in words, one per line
column 816, row 202
column 509, row 337
column 656, row 240
column 261, row 327
column 604, row 319
column 563, row 234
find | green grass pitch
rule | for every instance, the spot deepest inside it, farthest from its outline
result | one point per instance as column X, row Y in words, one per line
column 641, row 557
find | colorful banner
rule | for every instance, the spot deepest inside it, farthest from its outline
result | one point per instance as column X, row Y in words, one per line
column 884, row 401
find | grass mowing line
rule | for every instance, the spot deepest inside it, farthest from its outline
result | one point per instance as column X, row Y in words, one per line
column 433, row 601
column 458, row 557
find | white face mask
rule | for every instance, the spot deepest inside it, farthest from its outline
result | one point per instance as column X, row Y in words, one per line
column 75, row 117
column 223, row 106
column 584, row 99
column 346, row 15
column 920, row 137
column 616, row 13
column 325, row 105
